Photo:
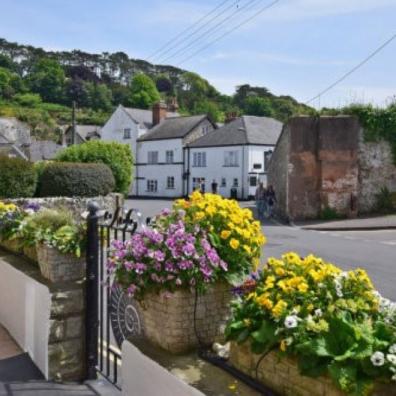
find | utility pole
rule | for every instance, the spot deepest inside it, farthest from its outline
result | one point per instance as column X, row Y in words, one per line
column 74, row 123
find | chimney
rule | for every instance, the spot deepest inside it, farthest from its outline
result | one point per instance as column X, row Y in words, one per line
column 159, row 112
column 231, row 116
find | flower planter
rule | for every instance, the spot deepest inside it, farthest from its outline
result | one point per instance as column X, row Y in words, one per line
column 30, row 252
column 59, row 267
column 169, row 321
column 281, row 375
column 12, row 245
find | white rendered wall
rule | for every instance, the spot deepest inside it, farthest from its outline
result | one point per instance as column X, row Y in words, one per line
column 25, row 306
column 160, row 171
column 143, row 377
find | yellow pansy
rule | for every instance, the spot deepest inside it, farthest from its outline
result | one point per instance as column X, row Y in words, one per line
column 279, row 308
column 199, row 216
column 234, row 243
column 225, row 234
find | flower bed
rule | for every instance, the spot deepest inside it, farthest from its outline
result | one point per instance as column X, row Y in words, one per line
column 330, row 322
column 200, row 243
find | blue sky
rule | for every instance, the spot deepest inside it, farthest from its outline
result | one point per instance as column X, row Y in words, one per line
column 297, row 47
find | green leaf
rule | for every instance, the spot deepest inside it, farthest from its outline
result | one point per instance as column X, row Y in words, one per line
column 266, row 334
column 312, row 366
column 344, row 375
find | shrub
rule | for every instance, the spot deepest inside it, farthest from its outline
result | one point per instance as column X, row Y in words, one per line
column 76, row 179
column 17, row 178
column 384, row 201
column 329, row 214
column 28, row 100
column 116, row 155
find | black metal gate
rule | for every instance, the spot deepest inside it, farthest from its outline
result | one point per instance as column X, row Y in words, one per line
column 112, row 316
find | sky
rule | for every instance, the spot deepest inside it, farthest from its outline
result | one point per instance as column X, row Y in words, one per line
column 295, row 47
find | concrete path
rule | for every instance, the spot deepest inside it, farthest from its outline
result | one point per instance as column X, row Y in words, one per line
column 369, row 223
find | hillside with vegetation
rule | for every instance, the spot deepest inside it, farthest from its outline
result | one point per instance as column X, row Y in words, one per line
column 39, row 86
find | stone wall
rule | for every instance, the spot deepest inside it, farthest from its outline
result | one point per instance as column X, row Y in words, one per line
column 169, row 321
column 281, row 375
column 277, row 175
column 376, row 170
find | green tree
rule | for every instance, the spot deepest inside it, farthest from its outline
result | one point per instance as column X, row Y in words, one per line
column 47, row 78
column 143, row 92
column 209, row 108
column 257, row 106
column 98, row 96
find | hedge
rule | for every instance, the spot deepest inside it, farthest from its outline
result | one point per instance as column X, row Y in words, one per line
column 116, row 155
column 17, row 178
column 75, row 180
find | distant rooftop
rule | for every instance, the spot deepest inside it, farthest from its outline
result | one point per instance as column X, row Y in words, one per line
column 144, row 117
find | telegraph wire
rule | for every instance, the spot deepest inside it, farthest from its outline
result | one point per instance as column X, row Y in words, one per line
column 248, row 5
column 244, row 22
column 177, row 36
column 358, row 66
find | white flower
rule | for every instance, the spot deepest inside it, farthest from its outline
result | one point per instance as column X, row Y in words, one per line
column 318, row 312
column 392, row 349
column 344, row 275
column 393, row 369
column 384, row 303
column 391, row 358
column 291, row 321
column 378, row 359
column 339, row 293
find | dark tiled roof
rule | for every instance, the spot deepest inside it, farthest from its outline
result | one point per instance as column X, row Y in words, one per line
column 242, row 131
column 144, row 117
column 173, row 128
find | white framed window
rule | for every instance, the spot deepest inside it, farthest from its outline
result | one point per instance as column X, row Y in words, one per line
column 169, row 156
column 231, row 158
column 127, row 133
column 170, row 183
column 199, row 160
column 152, row 157
column 235, row 183
column 152, row 185
column 223, row 182
column 253, row 181
column 197, row 182
column 267, row 159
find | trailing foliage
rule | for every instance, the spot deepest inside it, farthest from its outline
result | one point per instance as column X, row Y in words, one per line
column 385, row 202
column 75, row 180
column 116, row 156
column 17, row 178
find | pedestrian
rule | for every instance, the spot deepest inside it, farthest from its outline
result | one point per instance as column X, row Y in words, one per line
column 271, row 200
column 202, row 186
column 214, row 186
column 260, row 200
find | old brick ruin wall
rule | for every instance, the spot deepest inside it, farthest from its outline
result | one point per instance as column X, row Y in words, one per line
column 325, row 162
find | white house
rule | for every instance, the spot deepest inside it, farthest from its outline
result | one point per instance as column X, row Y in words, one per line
column 235, row 156
column 126, row 125
column 161, row 155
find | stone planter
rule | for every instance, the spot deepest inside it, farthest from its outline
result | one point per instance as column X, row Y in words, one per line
column 31, row 253
column 281, row 375
column 12, row 245
column 59, row 267
column 169, row 321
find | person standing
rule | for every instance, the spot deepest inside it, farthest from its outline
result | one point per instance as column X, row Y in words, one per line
column 202, row 186
column 260, row 200
column 271, row 199
column 214, row 186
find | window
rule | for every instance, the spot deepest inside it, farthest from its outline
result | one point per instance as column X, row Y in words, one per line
column 253, row 181
column 223, row 182
column 205, row 129
column 152, row 185
column 170, row 183
column 256, row 166
column 198, row 183
column 199, row 160
column 231, row 158
column 127, row 133
column 152, row 157
column 235, row 183
column 169, row 156
column 267, row 159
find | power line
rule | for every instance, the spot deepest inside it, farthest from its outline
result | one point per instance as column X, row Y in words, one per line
column 358, row 66
column 244, row 22
column 200, row 28
column 211, row 30
column 172, row 40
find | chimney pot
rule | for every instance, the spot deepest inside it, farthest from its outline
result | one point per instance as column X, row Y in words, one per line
column 159, row 112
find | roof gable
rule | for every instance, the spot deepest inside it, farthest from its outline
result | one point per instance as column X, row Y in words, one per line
column 143, row 117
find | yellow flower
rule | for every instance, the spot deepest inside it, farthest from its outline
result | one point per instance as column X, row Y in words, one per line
column 303, row 287
column 280, row 271
column 234, row 243
column 256, row 263
column 199, row 216
column 225, row 234
column 210, row 210
column 265, row 301
column 283, row 345
column 279, row 308
column 247, row 249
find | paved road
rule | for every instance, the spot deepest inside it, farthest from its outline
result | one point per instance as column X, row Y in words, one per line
column 374, row 251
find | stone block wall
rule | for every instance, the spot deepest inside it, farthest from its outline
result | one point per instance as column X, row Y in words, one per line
column 281, row 375
column 169, row 321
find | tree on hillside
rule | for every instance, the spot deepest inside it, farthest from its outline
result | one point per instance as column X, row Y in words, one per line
column 209, row 108
column 98, row 96
column 47, row 78
column 257, row 106
column 10, row 83
column 164, row 84
column 143, row 92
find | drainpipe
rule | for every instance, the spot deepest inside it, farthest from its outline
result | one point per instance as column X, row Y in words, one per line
column 243, row 172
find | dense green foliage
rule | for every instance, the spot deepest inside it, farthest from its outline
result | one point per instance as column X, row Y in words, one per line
column 116, row 155
column 76, row 180
column 110, row 80
column 17, row 178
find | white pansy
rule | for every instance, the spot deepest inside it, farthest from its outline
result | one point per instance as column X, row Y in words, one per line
column 318, row 312
column 391, row 358
column 291, row 321
column 377, row 359
column 392, row 349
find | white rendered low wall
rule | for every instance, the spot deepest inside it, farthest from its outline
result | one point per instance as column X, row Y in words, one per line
column 25, row 312
column 143, row 376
